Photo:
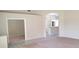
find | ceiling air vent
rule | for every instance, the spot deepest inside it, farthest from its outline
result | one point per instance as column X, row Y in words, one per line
column 28, row 10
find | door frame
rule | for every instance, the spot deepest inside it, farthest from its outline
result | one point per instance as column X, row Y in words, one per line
column 46, row 20
column 7, row 19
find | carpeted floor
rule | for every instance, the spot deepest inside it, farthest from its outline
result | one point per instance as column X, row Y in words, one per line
column 13, row 39
column 50, row 42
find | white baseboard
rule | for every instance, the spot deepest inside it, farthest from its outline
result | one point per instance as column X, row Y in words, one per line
column 69, row 36
column 16, row 35
column 30, row 38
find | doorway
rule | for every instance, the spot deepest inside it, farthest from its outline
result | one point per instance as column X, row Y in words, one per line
column 52, row 24
column 16, row 30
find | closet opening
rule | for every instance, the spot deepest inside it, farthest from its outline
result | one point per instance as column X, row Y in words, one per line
column 16, row 30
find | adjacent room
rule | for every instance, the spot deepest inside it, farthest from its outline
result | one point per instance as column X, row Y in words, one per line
column 52, row 24
column 16, row 30
column 39, row 29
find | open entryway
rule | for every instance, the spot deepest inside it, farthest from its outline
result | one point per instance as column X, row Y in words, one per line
column 16, row 30
column 52, row 24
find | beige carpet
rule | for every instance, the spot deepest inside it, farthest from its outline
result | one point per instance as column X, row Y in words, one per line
column 13, row 39
column 50, row 42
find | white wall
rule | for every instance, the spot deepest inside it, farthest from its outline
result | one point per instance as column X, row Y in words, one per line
column 44, row 13
column 32, row 30
column 71, row 24
column 3, row 42
column 3, row 20
column 2, row 25
column 34, row 26
column 68, row 22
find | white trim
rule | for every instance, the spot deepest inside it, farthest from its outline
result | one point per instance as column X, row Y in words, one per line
column 15, row 19
column 46, row 17
column 7, row 30
column 69, row 36
column 37, row 37
column 25, row 29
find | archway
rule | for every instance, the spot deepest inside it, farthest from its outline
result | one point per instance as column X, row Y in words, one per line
column 52, row 24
